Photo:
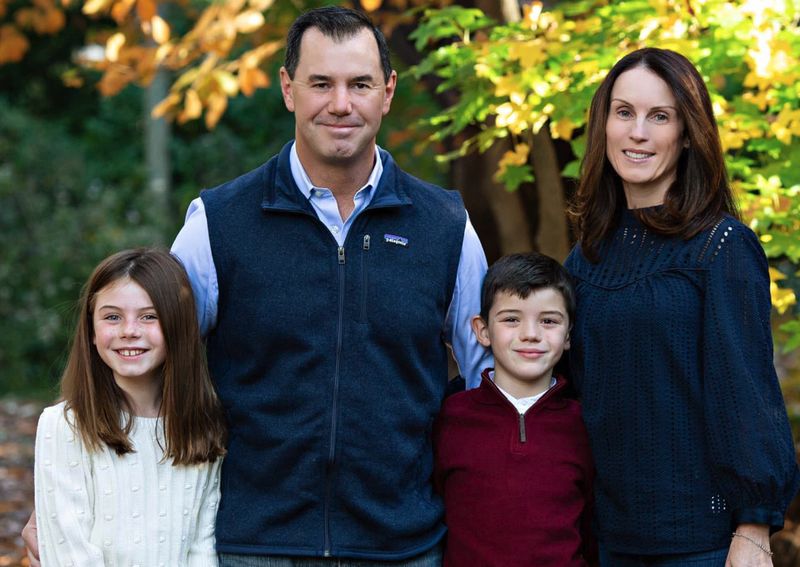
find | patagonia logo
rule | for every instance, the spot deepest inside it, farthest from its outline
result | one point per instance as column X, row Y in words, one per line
column 394, row 239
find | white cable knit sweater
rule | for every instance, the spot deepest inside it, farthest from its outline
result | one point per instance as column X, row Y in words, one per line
column 102, row 510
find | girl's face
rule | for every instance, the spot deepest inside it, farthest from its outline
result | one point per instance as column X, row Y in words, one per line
column 127, row 333
column 644, row 136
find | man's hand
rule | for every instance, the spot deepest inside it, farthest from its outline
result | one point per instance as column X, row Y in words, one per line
column 31, row 538
column 744, row 551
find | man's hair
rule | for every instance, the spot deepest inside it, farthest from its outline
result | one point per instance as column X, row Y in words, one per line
column 523, row 274
column 338, row 24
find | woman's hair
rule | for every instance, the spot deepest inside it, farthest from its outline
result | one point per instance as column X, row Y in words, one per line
column 194, row 428
column 700, row 193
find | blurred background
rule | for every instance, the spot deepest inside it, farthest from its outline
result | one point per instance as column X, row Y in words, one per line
column 114, row 114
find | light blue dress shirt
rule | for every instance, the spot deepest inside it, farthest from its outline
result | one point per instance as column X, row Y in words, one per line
column 193, row 247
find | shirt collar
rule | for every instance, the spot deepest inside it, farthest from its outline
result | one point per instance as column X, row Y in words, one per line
column 303, row 181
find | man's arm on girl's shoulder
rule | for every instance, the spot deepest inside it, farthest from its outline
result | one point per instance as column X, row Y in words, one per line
column 31, row 539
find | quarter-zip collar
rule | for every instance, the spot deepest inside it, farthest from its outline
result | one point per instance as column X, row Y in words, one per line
column 490, row 394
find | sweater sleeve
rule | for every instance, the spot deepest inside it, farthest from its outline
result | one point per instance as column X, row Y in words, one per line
column 63, row 494
column 202, row 552
column 747, row 430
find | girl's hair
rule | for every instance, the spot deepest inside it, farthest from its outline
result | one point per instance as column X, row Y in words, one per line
column 194, row 428
column 700, row 193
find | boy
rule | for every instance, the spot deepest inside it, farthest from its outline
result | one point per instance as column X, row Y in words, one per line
column 512, row 456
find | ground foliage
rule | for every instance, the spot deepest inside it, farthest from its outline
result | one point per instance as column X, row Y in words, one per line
column 17, row 433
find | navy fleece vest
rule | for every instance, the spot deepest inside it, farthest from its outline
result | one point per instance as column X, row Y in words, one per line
column 330, row 364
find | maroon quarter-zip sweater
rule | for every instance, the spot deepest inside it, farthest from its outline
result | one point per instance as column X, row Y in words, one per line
column 517, row 488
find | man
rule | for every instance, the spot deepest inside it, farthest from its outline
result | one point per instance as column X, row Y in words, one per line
column 327, row 281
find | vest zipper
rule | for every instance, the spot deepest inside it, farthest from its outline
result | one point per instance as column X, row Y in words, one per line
column 334, row 404
column 522, row 437
column 364, row 250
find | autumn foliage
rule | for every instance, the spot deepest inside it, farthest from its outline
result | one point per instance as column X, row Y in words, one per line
column 223, row 53
column 512, row 79
column 541, row 72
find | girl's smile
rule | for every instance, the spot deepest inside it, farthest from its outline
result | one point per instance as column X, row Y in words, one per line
column 127, row 334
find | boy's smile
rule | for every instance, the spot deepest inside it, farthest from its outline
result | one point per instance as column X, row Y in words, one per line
column 527, row 338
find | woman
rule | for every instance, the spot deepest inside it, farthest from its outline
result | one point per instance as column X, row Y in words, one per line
column 672, row 349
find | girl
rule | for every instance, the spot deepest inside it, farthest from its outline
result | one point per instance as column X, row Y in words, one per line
column 127, row 465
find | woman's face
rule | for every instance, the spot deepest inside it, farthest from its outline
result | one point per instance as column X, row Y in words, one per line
column 644, row 136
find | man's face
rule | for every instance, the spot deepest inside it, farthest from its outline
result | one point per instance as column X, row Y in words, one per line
column 338, row 96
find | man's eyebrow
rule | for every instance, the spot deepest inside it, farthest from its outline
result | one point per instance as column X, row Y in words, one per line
column 327, row 78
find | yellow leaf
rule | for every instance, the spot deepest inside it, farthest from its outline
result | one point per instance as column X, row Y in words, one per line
column 114, row 80
column 13, row 45
column 217, row 102
column 165, row 105
column 192, row 106
column 261, row 5
column 539, row 122
column 371, row 5
column 266, row 49
column 146, row 9
column 161, row 30
column 250, row 21
column 227, row 82
column 782, row 298
column 529, row 53
column 121, row 9
column 562, row 128
column 507, row 86
column 92, row 7
column 53, row 21
column 186, row 78
column 162, row 53
column 518, row 156
column 113, row 45
column 250, row 79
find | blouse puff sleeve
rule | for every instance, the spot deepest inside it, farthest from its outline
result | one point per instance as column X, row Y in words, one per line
column 63, row 494
column 202, row 552
column 747, row 430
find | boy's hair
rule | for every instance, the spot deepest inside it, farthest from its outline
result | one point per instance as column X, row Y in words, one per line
column 522, row 274
column 338, row 24
column 194, row 427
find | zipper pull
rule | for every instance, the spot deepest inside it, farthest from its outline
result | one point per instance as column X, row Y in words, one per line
column 522, row 437
column 366, row 242
column 341, row 254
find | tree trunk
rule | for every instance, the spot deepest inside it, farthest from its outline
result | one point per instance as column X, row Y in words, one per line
column 156, row 141
column 552, row 236
column 510, row 229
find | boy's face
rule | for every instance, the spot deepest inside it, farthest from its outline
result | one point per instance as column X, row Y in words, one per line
column 527, row 337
